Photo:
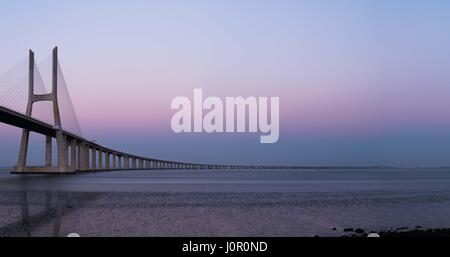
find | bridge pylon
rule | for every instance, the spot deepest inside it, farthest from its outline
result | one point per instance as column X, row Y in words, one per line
column 61, row 141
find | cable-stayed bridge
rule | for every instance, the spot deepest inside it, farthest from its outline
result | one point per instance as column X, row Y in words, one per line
column 23, row 87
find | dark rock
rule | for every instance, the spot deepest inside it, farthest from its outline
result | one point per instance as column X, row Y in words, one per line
column 359, row 230
column 334, row 228
column 348, row 229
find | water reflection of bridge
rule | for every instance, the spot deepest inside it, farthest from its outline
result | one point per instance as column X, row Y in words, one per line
column 52, row 206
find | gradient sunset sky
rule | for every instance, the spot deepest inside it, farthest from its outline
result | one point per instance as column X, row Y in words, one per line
column 360, row 82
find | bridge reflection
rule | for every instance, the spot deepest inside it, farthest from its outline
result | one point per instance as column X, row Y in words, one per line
column 41, row 209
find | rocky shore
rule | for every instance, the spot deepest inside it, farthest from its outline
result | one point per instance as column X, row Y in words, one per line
column 417, row 231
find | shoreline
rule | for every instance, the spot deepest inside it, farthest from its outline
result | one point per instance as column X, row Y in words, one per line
column 417, row 231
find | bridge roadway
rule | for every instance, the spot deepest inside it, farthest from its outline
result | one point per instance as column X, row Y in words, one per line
column 88, row 155
column 75, row 153
column 85, row 155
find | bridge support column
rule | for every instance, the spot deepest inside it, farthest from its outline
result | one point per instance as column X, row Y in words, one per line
column 119, row 162
column 94, row 158
column 79, row 156
column 48, row 151
column 22, row 161
column 107, row 161
column 86, row 163
column 100, row 159
column 61, row 144
column 73, row 159
column 67, row 155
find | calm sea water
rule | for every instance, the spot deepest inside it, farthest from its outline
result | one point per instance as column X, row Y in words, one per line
column 223, row 203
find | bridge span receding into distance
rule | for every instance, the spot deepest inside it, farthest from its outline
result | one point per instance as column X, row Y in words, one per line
column 74, row 153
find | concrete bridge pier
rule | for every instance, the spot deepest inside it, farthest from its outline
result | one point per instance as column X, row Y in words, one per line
column 73, row 155
column 85, row 156
column 100, row 159
column 107, row 160
column 93, row 158
column 79, row 156
column 113, row 161
column 133, row 163
column 48, row 151
column 61, row 145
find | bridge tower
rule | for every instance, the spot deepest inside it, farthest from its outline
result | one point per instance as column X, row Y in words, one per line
column 61, row 141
